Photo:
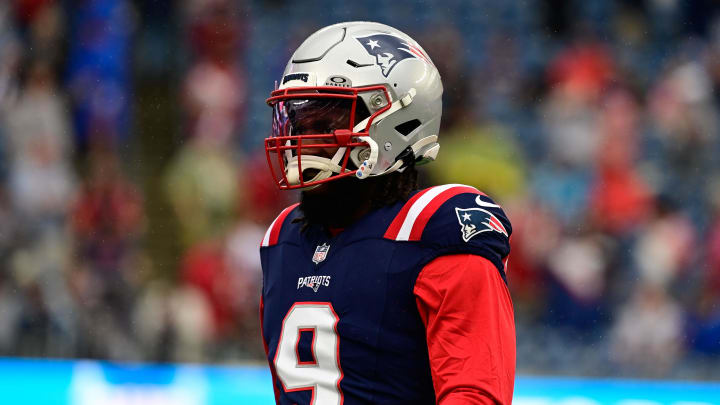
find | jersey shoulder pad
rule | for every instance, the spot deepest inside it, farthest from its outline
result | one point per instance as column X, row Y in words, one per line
column 454, row 218
column 272, row 235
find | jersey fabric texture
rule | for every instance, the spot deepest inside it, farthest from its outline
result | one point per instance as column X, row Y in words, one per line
column 470, row 330
column 406, row 306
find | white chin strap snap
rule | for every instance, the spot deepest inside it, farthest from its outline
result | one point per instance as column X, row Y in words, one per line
column 367, row 166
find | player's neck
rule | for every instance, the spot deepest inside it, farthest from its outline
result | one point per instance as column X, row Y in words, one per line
column 338, row 204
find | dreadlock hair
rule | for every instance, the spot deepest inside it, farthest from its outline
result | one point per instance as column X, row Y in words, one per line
column 397, row 187
column 339, row 202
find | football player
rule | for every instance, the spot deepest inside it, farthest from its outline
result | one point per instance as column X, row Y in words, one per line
column 375, row 292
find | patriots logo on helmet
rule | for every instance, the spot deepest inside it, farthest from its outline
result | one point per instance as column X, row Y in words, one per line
column 390, row 50
column 477, row 220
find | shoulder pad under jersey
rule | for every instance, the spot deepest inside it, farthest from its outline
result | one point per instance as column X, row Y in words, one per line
column 454, row 219
column 272, row 234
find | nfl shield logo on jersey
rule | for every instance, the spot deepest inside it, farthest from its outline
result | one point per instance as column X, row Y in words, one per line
column 477, row 220
column 320, row 253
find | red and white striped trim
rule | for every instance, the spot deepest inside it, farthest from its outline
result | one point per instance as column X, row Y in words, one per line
column 411, row 220
column 273, row 232
column 497, row 225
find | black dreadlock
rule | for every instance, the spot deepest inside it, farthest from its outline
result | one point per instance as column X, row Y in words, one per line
column 397, row 187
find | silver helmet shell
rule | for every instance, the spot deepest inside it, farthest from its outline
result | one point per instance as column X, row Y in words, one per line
column 405, row 103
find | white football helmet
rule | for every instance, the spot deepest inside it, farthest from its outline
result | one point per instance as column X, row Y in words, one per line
column 356, row 99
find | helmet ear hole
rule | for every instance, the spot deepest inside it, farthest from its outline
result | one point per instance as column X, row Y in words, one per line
column 408, row 126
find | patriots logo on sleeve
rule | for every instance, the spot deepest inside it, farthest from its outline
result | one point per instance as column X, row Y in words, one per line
column 477, row 220
column 390, row 50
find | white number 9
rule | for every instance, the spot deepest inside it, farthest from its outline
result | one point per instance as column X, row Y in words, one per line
column 324, row 375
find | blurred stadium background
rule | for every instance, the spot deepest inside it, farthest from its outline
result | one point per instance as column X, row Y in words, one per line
column 134, row 192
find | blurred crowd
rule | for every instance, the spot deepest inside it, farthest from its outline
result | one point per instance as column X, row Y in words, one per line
column 595, row 124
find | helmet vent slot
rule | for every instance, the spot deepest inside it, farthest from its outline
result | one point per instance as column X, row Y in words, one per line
column 358, row 65
column 407, row 127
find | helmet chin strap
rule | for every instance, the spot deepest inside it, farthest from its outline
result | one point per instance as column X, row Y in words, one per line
column 326, row 167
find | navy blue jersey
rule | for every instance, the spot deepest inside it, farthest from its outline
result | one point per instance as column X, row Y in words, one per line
column 339, row 317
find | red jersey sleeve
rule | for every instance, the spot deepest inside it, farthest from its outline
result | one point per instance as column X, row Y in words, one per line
column 470, row 330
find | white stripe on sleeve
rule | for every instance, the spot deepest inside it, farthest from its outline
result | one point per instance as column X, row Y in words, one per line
column 418, row 206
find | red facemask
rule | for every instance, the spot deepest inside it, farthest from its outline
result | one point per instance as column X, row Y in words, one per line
column 317, row 122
